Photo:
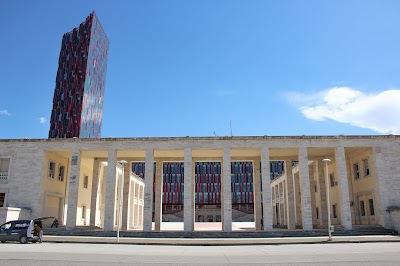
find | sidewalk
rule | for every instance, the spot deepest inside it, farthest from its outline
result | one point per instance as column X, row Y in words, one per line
column 221, row 241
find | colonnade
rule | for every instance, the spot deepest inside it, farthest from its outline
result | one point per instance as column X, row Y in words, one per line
column 293, row 197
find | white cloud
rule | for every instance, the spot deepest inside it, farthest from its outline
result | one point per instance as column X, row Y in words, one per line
column 4, row 112
column 378, row 112
column 42, row 120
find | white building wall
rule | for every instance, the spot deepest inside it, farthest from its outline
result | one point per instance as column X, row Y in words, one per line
column 27, row 183
column 84, row 193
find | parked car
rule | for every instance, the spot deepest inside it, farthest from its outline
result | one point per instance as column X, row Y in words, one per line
column 18, row 230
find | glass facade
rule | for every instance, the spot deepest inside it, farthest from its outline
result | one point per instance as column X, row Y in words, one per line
column 207, row 181
column 79, row 91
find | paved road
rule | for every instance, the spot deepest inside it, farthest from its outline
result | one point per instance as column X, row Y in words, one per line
column 108, row 254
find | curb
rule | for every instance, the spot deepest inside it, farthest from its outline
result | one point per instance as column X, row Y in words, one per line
column 219, row 241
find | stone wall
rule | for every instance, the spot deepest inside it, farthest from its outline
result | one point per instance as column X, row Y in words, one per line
column 394, row 213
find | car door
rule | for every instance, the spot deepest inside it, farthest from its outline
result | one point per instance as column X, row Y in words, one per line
column 18, row 229
column 5, row 232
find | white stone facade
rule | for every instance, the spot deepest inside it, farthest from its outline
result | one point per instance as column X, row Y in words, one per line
column 87, row 193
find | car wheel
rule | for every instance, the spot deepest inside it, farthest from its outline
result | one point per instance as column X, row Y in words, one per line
column 34, row 241
column 23, row 239
column 3, row 241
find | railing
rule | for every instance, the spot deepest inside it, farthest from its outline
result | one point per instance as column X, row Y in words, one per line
column 3, row 176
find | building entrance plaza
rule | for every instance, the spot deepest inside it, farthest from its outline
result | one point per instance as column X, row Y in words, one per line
column 78, row 181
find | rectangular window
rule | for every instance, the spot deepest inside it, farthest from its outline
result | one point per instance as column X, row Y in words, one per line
column 366, row 167
column 317, row 211
column 2, row 199
column 315, row 187
column 61, row 171
column 362, row 208
column 83, row 212
column 52, row 169
column 85, row 181
column 332, row 179
column 371, row 207
column 356, row 171
column 4, row 166
column 334, row 211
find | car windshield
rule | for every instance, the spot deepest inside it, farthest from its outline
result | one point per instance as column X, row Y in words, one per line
column 5, row 226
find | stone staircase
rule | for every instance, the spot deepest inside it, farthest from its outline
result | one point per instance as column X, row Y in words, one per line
column 98, row 232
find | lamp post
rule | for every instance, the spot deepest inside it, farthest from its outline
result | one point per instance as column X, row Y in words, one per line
column 119, row 218
column 327, row 198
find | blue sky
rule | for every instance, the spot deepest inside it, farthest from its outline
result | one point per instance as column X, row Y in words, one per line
column 190, row 68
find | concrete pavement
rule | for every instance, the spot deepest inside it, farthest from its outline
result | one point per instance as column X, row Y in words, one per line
column 221, row 241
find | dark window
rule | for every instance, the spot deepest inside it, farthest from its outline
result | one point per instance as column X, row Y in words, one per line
column 21, row 225
column 362, row 208
column 334, row 211
column 85, row 181
column 61, row 172
column 356, row 171
column 315, row 185
column 2, row 199
column 371, row 207
column 366, row 167
column 332, row 179
column 83, row 212
column 52, row 169
column 317, row 213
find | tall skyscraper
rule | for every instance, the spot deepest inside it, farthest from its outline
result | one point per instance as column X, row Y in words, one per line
column 79, row 91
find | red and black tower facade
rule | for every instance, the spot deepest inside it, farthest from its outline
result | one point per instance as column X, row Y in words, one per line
column 80, row 82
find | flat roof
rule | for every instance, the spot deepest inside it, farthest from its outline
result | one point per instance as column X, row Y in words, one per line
column 265, row 137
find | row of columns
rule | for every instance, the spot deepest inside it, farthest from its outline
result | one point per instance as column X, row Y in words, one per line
column 298, row 193
column 263, row 210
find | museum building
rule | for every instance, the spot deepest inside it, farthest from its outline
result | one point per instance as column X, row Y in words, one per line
column 71, row 179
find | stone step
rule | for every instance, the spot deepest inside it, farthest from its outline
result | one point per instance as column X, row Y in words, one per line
column 218, row 234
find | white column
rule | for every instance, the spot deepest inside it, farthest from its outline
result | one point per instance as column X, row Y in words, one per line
column 73, row 188
column 283, row 203
column 126, row 207
column 297, row 198
column 380, row 162
column 148, row 191
column 306, row 214
column 257, row 194
column 95, row 192
column 321, row 190
column 158, row 196
column 281, row 211
column 132, row 206
column 266, row 189
column 188, row 205
column 226, row 197
column 341, row 172
column 312, row 194
column 290, row 203
column 138, row 191
column 141, row 207
column 111, row 189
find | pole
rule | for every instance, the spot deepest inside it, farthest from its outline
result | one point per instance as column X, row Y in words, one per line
column 328, row 198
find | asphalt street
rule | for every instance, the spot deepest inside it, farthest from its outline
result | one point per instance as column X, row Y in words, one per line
column 121, row 254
